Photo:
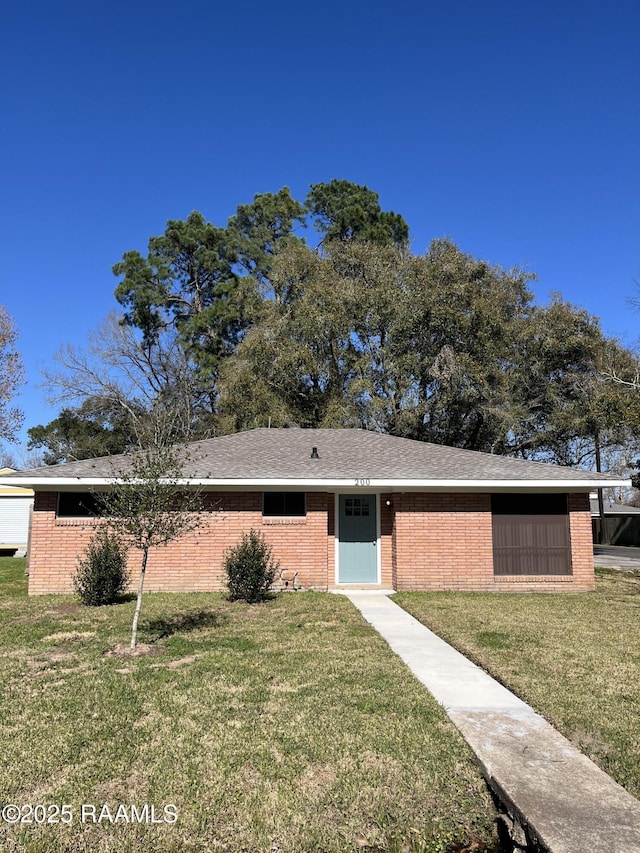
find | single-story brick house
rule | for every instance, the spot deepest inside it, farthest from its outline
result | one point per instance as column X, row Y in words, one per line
column 344, row 507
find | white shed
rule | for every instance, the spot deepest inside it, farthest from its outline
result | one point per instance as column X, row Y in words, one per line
column 15, row 513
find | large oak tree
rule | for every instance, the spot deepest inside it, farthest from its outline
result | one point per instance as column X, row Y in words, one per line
column 440, row 347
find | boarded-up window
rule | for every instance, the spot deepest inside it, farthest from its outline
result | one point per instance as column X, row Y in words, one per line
column 531, row 534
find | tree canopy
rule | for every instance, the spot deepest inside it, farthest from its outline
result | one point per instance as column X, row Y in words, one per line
column 347, row 211
column 187, row 283
column 82, row 433
column 438, row 347
column 254, row 323
column 11, row 377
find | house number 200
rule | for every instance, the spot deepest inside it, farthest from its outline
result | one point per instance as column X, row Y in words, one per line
column 363, row 482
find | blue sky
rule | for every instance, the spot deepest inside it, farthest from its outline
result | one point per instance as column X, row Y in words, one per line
column 512, row 128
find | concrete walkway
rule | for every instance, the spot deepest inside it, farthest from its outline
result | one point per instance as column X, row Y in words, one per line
column 565, row 802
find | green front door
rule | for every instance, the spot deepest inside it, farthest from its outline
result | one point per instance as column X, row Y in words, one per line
column 357, row 551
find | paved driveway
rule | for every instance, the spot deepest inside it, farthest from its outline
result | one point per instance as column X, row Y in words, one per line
column 616, row 557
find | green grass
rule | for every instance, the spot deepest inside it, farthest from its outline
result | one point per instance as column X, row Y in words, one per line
column 285, row 726
column 13, row 581
column 574, row 658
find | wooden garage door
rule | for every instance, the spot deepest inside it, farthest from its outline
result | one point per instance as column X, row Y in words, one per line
column 531, row 535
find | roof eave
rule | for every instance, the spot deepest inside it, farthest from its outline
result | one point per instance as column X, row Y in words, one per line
column 342, row 484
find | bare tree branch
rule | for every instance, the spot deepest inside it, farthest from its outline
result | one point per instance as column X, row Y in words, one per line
column 152, row 383
column 11, row 377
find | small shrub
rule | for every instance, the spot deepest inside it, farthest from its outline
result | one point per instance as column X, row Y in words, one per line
column 102, row 575
column 250, row 568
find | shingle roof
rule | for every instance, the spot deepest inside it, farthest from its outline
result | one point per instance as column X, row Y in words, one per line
column 344, row 455
column 611, row 508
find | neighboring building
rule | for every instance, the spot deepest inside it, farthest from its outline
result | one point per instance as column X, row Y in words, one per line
column 344, row 508
column 15, row 512
column 621, row 523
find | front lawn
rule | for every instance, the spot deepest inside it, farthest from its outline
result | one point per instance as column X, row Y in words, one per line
column 574, row 657
column 286, row 726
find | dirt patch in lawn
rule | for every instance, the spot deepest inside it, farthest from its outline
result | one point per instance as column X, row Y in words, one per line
column 124, row 650
column 66, row 609
column 176, row 664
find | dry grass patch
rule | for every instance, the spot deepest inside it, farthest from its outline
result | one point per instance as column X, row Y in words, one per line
column 574, row 657
column 67, row 636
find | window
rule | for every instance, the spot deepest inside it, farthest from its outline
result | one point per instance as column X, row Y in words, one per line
column 284, row 504
column 356, row 506
column 531, row 534
column 529, row 504
column 78, row 505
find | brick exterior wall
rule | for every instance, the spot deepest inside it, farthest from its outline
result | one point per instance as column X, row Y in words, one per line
column 387, row 514
column 195, row 562
column 427, row 542
column 445, row 542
